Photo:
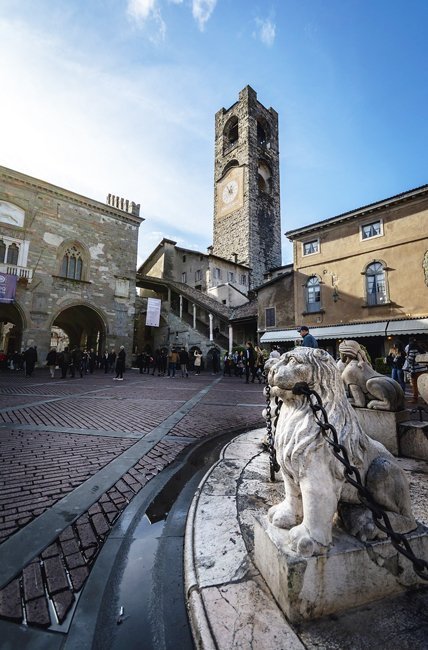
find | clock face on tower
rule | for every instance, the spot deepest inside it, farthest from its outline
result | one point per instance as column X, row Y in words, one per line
column 230, row 192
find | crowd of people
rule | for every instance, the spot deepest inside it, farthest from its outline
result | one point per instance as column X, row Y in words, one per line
column 173, row 362
column 247, row 362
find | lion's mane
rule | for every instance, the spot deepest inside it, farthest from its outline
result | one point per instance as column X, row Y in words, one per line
column 297, row 432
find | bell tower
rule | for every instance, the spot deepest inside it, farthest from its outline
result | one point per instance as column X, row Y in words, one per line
column 247, row 218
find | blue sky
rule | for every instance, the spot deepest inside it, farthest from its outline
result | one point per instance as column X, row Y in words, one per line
column 119, row 96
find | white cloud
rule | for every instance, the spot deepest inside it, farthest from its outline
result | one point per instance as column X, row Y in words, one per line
column 147, row 13
column 141, row 9
column 84, row 127
column 266, row 31
column 202, row 10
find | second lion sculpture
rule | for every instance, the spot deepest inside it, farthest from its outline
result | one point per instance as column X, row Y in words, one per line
column 315, row 488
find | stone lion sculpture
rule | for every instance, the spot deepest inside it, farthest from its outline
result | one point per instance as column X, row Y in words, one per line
column 315, row 489
column 364, row 386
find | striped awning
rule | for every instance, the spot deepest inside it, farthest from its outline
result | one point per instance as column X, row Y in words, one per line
column 410, row 326
column 356, row 330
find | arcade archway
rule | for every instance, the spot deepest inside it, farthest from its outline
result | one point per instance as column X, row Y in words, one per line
column 11, row 328
column 83, row 326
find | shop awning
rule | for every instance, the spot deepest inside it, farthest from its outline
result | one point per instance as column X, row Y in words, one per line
column 410, row 326
column 356, row 330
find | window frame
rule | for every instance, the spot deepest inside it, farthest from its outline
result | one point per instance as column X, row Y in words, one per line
column 22, row 246
column 309, row 289
column 311, row 241
column 370, row 223
column 271, row 310
column 376, row 293
column 70, row 269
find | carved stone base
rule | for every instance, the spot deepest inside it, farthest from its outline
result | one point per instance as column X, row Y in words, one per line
column 413, row 437
column 347, row 575
column 382, row 426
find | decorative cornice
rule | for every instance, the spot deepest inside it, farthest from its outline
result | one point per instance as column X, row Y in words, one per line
column 67, row 195
column 393, row 201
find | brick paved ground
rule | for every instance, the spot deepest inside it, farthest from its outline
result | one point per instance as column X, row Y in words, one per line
column 59, row 437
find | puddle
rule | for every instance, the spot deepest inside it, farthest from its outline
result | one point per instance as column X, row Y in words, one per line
column 135, row 590
column 147, row 581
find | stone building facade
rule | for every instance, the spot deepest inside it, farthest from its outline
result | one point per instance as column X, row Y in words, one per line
column 247, row 224
column 275, row 302
column 75, row 264
column 222, row 279
column 363, row 275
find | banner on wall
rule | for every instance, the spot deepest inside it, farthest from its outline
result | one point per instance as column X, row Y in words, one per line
column 153, row 312
column 8, row 287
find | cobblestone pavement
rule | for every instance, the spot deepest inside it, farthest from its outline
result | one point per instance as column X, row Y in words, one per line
column 73, row 454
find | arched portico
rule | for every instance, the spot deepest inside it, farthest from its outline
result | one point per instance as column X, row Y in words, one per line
column 84, row 325
column 12, row 324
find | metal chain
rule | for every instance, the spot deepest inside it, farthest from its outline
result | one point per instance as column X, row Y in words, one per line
column 274, row 466
column 380, row 517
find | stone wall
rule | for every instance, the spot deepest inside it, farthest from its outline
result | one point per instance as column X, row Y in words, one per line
column 104, row 237
column 252, row 230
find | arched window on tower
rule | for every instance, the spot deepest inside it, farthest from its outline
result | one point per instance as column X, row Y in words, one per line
column 263, row 133
column 376, row 285
column 264, row 178
column 230, row 133
column 2, row 251
column 12, row 254
column 313, row 294
column 72, row 264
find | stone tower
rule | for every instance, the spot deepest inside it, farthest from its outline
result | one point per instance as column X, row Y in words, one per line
column 246, row 185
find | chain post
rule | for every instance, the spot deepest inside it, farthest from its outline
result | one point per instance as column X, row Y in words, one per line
column 274, row 466
column 380, row 517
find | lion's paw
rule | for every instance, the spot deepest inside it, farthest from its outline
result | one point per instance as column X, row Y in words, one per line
column 282, row 517
column 301, row 541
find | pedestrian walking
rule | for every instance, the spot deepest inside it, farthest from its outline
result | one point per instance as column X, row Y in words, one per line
column 184, row 362
column 120, row 364
column 414, row 367
column 260, row 363
column 308, row 341
column 197, row 361
column 30, row 358
column 51, row 362
column 250, row 362
column 227, row 364
column 174, row 360
column 395, row 360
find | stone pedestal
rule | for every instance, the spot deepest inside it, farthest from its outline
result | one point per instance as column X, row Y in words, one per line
column 423, row 382
column 413, row 439
column 347, row 575
column 382, row 426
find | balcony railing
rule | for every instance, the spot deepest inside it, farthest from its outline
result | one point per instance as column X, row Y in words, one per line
column 20, row 271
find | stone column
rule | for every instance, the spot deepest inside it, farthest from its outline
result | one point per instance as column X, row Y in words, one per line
column 181, row 306
column 210, row 316
column 230, row 339
column 194, row 316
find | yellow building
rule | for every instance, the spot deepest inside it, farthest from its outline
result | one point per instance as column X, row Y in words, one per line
column 363, row 275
